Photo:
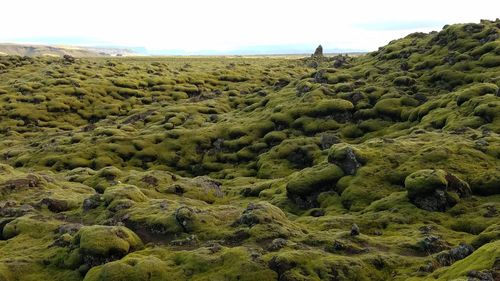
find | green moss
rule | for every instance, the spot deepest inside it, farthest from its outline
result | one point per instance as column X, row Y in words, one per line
column 476, row 90
column 490, row 60
column 490, row 234
column 28, row 226
column 390, row 107
column 126, row 83
column 372, row 125
column 312, row 125
column 281, row 119
column 106, row 240
column 313, row 180
column 424, row 182
column 274, row 137
column 123, row 191
column 133, row 269
column 404, row 81
column 486, row 183
column 332, row 106
column 334, row 78
column 351, row 131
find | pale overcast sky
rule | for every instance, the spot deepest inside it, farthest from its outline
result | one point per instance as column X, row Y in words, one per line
column 225, row 25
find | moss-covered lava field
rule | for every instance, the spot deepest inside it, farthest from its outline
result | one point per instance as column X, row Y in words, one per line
column 384, row 166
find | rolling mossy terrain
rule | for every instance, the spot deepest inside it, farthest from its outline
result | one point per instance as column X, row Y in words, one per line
column 384, row 166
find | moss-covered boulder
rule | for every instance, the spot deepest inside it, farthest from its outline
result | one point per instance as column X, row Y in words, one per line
column 486, row 183
column 425, row 182
column 346, row 158
column 263, row 221
column 304, row 186
column 134, row 269
column 98, row 244
column 123, row 191
column 435, row 190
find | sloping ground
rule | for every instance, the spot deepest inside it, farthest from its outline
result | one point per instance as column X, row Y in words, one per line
column 380, row 167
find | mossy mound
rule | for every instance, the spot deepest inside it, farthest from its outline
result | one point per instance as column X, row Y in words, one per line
column 123, row 191
column 308, row 183
column 98, row 242
column 435, row 190
column 149, row 268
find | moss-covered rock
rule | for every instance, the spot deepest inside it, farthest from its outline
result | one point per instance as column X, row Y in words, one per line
column 425, row 182
column 133, row 269
column 123, row 191
column 485, row 257
column 434, row 190
column 99, row 243
column 345, row 157
column 308, row 183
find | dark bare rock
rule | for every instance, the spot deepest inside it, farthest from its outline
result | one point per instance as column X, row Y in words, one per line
column 431, row 244
column 92, row 202
column 318, row 52
column 68, row 59
column 455, row 254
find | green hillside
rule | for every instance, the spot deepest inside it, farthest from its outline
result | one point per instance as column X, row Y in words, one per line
column 384, row 166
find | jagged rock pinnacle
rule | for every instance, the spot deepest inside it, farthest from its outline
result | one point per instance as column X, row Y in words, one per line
column 318, row 52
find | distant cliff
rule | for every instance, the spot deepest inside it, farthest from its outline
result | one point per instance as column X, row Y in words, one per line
column 46, row 50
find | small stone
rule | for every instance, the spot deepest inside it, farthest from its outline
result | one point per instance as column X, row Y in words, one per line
column 277, row 244
column 68, row 59
column 354, row 230
column 92, row 202
column 214, row 248
column 327, row 140
column 70, row 228
column 317, row 213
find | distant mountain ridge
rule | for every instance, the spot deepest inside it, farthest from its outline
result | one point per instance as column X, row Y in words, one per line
column 34, row 50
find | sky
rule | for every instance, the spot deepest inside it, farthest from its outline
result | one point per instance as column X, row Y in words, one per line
column 224, row 26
